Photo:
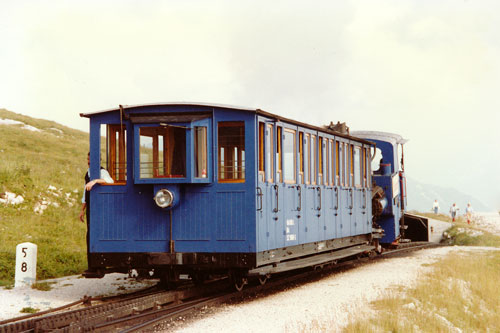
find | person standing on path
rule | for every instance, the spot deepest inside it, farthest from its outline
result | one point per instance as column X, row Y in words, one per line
column 453, row 211
column 435, row 206
column 468, row 213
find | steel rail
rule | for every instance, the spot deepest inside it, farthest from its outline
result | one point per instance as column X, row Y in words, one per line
column 27, row 322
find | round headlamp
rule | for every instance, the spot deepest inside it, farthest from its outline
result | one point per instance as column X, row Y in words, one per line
column 164, row 198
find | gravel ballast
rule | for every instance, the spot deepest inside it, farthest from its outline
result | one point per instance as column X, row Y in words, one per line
column 337, row 296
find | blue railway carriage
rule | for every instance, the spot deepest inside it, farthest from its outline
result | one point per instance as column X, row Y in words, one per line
column 205, row 188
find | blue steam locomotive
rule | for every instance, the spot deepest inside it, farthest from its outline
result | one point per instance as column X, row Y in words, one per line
column 204, row 189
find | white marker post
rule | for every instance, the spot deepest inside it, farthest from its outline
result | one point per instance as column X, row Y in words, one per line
column 25, row 264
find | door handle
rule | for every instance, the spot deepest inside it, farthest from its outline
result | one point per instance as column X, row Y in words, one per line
column 318, row 189
column 352, row 201
column 276, row 196
column 299, row 193
column 259, row 195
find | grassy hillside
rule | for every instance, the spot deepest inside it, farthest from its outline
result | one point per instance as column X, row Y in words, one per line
column 30, row 162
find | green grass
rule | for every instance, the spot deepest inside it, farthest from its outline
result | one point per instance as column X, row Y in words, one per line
column 463, row 234
column 43, row 286
column 29, row 310
column 461, row 292
column 440, row 216
column 29, row 163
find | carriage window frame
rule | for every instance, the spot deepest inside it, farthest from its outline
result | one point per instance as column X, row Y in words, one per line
column 200, row 142
column 321, row 160
column 365, row 183
column 268, row 154
column 289, row 163
column 349, row 173
column 368, row 167
column 279, row 154
column 337, row 163
column 326, row 164
column 314, row 159
column 116, row 153
column 240, row 154
column 342, row 164
column 357, row 167
column 331, row 160
column 307, row 164
column 301, row 179
column 351, row 165
column 158, row 162
column 261, row 135
column 190, row 153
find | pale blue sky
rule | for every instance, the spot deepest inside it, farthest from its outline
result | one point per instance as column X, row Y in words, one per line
column 428, row 70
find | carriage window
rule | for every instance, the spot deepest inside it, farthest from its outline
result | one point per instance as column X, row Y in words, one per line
column 351, row 165
column 342, row 164
column 200, row 148
column 289, row 153
column 368, row 170
column 320, row 160
column 332, row 162
column 162, row 152
column 363, row 163
column 314, row 158
column 261, row 147
column 337, row 163
column 308, row 159
column 279, row 157
column 327, row 162
column 116, row 143
column 269, row 153
column 231, row 140
column 357, row 167
column 301, row 157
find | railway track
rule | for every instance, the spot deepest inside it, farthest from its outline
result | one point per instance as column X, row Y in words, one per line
column 144, row 310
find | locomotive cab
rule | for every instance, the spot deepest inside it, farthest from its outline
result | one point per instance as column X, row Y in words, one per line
column 398, row 225
column 391, row 178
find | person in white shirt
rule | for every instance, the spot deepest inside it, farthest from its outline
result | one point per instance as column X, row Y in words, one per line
column 85, row 211
column 468, row 213
column 435, row 206
column 453, row 211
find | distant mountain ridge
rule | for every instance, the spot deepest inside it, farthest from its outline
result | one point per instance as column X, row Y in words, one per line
column 421, row 197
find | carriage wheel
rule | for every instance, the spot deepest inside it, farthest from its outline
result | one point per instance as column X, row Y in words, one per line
column 263, row 279
column 239, row 283
column 239, row 280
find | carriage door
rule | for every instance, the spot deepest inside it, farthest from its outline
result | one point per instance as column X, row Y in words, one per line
column 291, row 191
column 312, row 191
column 345, row 209
column 359, row 194
column 265, row 188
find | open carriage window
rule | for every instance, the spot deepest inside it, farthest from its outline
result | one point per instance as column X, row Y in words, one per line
column 231, row 151
column 200, row 148
column 163, row 152
column 115, row 152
